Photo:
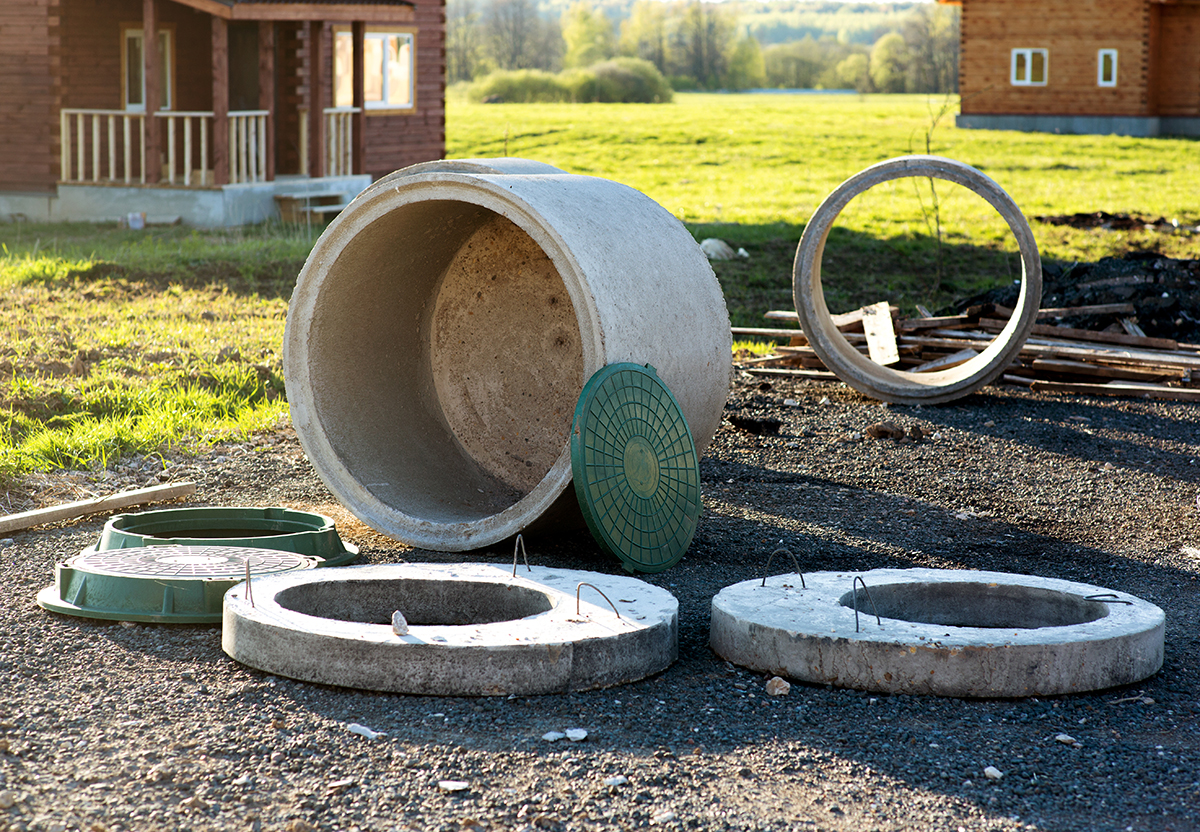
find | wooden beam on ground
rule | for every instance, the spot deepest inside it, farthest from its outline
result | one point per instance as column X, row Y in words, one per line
column 763, row 332
column 1098, row 309
column 945, row 362
column 881, row 335
column 1116, row 388
column 69, row 511
column 931, row 322
column 1074, row 334
column 1085, row 368
column 820, row 375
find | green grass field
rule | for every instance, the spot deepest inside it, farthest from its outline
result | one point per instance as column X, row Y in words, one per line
column 752, row 169
column 114, row 342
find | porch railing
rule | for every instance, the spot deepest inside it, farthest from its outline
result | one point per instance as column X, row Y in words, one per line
column 76, row 127
column 339, row 140
column 110, row 146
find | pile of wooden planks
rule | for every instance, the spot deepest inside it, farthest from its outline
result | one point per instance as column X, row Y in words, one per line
column 1117, row 361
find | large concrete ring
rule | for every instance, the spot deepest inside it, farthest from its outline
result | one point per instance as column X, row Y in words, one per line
column 940, row 632
column 473, row 629
column 859, row 371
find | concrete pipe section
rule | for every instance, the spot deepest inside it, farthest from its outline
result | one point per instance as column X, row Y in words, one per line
column 442, row 330
column 469, row 629
column 941, row 632
column 859, row 371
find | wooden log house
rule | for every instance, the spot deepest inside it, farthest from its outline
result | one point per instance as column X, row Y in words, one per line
column 1130, row 67
column 213, row 111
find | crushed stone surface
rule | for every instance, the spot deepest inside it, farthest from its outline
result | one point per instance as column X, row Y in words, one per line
column 121, row 728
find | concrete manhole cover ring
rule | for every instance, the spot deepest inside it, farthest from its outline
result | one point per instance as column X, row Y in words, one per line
column 941, row 632
column 474, row 629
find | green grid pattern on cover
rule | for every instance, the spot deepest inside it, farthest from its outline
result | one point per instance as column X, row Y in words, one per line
column 636, row 472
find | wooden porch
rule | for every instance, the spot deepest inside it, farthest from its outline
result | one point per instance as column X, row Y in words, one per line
column 112, row 146
column 155, row 141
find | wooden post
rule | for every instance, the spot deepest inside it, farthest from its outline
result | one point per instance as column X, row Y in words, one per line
column 220, row 102
column 151, row 72
column 266, row 89
column 358, row 122
column 316, row 108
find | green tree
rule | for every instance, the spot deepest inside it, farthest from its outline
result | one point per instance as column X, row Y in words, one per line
column 852, row 73
column 745, row 68
column 518, row 39
column 889, row 63
column 588, row 36
column 701, row 41
column 464, row 41
column 645, row 34
column 931, row 33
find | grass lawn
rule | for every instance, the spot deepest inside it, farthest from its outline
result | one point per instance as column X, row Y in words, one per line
column 752, row 169
column 115, row 342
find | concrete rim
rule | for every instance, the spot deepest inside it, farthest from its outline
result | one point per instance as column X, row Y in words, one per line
column 858, row 370
column 617, row 319
column 553, row 651
column 808, row 634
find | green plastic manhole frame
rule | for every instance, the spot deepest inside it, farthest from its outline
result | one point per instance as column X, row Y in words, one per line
column 635, row 467
column 159, row 584
column 287, row 530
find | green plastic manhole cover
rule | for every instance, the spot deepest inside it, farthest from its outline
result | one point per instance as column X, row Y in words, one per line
column 635, row 468
column 163, row 584
column 288, row 530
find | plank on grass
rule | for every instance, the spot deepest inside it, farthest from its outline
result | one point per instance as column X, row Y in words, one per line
column 69, row 511
column 881, row 335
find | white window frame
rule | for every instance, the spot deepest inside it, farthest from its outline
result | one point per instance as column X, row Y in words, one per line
column 166, row 45
column 343, row 73
column 1027, row 54
column 1100, row 56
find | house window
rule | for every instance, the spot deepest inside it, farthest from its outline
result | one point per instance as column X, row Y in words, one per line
column 388, row 70
column 1106, row 68
column 133, row 64
column 1030, row 67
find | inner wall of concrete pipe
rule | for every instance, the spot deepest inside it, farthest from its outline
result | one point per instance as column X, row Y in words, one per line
column 445, row 360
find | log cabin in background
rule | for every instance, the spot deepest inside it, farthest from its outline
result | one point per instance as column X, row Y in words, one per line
column 1130, row 67
column 215, row 112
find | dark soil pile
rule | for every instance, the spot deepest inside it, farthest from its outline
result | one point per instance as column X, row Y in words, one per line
column 1164, row 292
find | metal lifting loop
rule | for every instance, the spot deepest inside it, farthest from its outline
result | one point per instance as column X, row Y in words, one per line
column 795, row 563
column 1107, row 598
column 579, row 589
column 854, row 592
column 520, row 541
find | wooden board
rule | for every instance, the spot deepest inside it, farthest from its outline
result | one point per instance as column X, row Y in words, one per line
column 68, row 511
column 881, row 335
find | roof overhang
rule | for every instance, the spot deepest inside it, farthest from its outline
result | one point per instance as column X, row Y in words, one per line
column 334, row 12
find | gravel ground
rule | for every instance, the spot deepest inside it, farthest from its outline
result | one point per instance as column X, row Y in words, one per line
column 105, row 726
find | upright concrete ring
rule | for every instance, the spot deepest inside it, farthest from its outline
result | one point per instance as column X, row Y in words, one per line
column 859, row 371
column 473, row 629
column 940, row 632
column 444, row 325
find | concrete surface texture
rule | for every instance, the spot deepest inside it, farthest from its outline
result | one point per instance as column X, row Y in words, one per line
column 944, row 632
column 444, row 325
column 472, row 629
column 859, row 371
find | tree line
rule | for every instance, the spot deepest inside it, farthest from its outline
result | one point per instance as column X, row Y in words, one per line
column 705, row 45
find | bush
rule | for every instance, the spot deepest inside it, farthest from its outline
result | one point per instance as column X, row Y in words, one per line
column 521, row 86
column 621, row 80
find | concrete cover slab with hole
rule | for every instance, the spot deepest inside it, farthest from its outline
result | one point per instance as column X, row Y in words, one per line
column 474, row 629
column 941, row 632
